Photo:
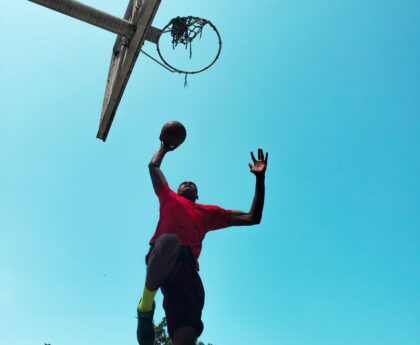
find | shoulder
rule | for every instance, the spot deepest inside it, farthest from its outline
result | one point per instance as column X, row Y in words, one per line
column 216, row 216
column 213, row 210
column 206, row 207
column 164, row 191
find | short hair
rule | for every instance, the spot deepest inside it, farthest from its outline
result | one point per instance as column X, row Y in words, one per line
column 189, row 182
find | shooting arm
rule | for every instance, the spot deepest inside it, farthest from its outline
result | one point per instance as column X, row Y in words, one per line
column 158, row 179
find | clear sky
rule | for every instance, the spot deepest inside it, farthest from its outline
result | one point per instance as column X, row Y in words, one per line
column 330, row 88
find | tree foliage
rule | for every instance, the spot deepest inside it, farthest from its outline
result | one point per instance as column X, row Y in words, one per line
column 162, row 336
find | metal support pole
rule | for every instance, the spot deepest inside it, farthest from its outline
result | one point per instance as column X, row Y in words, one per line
column 90, row 15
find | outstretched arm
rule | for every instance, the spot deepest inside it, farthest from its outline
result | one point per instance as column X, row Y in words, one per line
column 254, row 215
column 158, row 179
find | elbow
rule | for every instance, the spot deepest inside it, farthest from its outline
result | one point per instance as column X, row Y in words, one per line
column 255, row 221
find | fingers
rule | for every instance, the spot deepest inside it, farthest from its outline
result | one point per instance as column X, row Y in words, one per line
column 250, row 166
column 253, row 157
column 167, row 147
column 260, row 155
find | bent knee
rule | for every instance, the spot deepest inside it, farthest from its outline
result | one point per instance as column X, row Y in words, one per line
column 167, row 245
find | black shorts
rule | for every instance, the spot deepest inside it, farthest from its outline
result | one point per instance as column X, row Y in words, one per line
column 183, row 294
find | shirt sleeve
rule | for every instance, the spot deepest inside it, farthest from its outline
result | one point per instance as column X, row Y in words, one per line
column 217, row 217
column 163, row 193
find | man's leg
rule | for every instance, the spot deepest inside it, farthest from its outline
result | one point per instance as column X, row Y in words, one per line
column 184, row 336
column 183, row 300
column 161, row 260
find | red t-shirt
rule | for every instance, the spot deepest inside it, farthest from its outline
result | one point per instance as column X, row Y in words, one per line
column 189, row 220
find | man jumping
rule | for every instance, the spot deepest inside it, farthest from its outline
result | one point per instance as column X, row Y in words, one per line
column 175, row 247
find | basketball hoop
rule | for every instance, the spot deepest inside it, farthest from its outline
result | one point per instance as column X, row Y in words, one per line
column 183, row 31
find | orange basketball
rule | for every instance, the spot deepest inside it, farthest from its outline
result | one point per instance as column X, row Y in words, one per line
column 173, row 133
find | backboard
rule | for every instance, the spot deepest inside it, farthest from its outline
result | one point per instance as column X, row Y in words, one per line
column 124, row 55
column 132, row 31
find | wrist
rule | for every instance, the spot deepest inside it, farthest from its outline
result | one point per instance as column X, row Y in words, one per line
column 260, row 178
column 163, row 150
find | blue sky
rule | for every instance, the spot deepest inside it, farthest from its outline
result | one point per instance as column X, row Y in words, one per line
column 331, row 89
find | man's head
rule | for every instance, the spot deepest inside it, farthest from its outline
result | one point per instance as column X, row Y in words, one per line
column 188, row 190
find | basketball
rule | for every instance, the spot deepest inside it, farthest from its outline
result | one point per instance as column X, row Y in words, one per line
column 173, row 133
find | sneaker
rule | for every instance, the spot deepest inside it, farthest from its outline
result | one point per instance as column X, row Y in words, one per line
column 145, row 327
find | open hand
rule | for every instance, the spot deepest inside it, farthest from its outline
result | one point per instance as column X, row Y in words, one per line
column 259, row 166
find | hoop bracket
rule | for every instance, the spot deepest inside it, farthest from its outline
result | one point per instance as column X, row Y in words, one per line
column 153, row 34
